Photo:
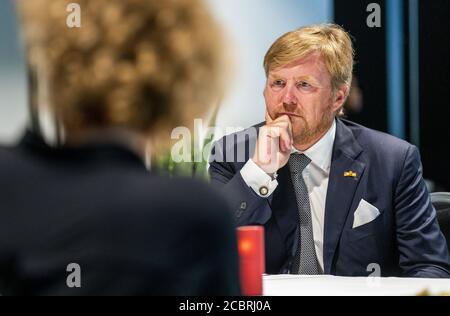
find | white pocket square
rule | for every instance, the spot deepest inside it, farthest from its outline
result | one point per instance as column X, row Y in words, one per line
column 365, row 213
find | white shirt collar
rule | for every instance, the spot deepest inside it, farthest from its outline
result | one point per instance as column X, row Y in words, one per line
column 321, row 152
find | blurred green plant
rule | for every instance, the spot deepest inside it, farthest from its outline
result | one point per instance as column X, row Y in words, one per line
column 164, row 163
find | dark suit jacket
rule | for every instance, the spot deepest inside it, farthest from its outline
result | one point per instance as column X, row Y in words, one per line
column 404, row 240
column 130, row 231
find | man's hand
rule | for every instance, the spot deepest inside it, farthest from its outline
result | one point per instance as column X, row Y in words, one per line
column 274, row 144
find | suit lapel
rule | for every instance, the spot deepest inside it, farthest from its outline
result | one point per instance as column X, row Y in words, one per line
column 341, row 189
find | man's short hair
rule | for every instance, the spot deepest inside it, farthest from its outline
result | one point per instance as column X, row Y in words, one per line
column 330, row 40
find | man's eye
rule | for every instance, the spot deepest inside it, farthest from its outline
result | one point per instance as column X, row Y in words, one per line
column 304, row 84
column 278, row 83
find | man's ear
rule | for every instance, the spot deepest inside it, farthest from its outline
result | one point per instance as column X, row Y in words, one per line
column 340, row 96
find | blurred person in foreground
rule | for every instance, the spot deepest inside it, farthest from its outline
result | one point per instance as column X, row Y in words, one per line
column 334, row 197
column 133, row 71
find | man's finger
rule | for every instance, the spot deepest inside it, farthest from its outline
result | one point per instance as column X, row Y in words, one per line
column 283, row 137
column 286, row 140
column 285, row 119
column 287, row 128
column 269, row 119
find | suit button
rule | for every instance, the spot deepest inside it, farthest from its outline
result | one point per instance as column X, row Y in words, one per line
column 263, row 191
column 241, row 209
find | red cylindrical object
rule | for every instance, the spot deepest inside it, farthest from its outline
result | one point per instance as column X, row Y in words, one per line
column 252, row 259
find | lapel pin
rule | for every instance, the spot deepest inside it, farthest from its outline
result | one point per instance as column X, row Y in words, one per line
column 350, row 174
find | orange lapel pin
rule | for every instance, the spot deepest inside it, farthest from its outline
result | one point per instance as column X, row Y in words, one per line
column 350, row 174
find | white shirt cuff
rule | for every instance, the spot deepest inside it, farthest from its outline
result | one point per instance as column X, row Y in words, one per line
column 258, row 179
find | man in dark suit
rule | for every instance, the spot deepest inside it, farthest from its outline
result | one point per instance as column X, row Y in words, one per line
column 334, row 197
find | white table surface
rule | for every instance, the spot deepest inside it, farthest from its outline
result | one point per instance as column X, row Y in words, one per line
column 327, row 285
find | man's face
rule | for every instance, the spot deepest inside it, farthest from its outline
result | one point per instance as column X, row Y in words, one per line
column 302, row 90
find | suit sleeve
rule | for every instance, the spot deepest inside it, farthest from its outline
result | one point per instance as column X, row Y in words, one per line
column 248, row 207
column 422, row 247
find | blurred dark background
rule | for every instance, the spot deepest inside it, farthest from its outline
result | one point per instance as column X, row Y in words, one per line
column 403, row 74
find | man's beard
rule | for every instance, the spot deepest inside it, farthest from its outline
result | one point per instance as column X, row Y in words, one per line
column 307, row 133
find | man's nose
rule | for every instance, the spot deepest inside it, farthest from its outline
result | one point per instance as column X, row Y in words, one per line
column 289, row 95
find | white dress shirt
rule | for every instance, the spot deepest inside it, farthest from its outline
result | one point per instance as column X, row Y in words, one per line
column 315, row 175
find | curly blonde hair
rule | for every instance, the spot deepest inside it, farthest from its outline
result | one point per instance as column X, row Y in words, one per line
column 142, row 64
